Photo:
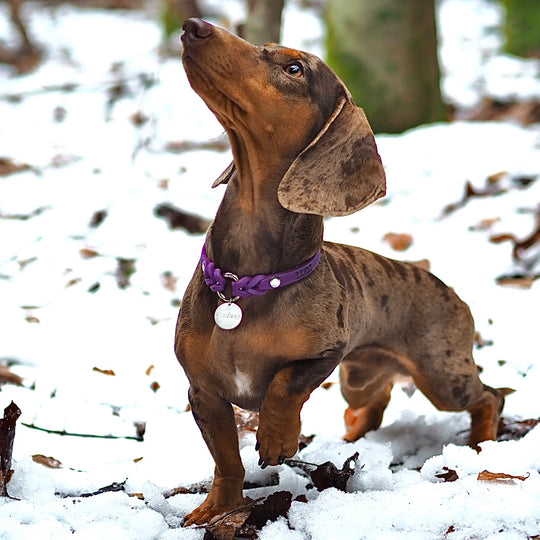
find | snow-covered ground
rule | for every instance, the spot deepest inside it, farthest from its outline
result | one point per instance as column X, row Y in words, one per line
column 63, row 313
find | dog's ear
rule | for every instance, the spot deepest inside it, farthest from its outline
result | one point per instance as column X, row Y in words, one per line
column 339, row 172
column 225, row 176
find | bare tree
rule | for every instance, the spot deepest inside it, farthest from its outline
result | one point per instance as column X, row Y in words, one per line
column 386, row 52
column 263, row 24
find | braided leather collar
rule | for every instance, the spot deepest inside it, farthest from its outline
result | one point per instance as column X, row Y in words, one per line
column 248, row 286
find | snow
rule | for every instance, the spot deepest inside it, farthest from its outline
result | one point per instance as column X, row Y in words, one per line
column 61, row 314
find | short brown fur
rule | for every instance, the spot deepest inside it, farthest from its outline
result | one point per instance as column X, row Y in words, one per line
column 303, row 150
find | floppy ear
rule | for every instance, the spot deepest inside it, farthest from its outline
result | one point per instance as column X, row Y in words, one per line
column 225, row 176
column 339, row 172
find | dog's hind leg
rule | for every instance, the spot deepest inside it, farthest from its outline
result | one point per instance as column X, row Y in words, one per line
column 453, row 384
column 367, row 377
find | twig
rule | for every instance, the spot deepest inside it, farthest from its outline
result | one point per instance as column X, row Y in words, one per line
column 87, row 435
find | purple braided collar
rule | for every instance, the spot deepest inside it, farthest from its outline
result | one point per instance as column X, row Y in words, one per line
column 248, row 286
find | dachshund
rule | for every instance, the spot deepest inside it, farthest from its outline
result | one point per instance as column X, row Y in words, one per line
column 272, row 309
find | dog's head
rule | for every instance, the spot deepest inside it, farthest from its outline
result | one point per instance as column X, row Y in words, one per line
column 288, row 107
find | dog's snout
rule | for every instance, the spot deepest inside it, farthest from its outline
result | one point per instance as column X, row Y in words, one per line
column 196, row 30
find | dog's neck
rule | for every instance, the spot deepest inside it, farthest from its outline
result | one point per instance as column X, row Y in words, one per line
column 253, row 234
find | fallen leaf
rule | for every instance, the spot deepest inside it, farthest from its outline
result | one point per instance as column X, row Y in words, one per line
column 9, row 166
column 149, row 369
column 485, row 224
column 271, row 508
column 6, row 376
column 492, row 188
column 97, row 218
column 517, row 280
column 398, row 242
column 327, row 475
column 500, row 238
column 139, row 118
column 511, row 430
column 449, row 476
column 104, row 371
column 225, row 526
column 246, row 421
column 88, row 253
column 487, row 476
column 49, row 462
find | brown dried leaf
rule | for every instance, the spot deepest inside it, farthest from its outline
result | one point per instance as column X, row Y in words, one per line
column 104, row 371
column 487, row 476
column 246, row 421
column 8, row 166
column 515, row 429
column 523, row 282
column 485, row 224
column 328, row 475
column 398, row 242
column 225, row 526
column 449, row 476
column 6, row 376
column 500, row 238
column 149, row 369
column 49, row 462
column 271, row 508
column 97, row 218
column 88, row 253
column 139, row 118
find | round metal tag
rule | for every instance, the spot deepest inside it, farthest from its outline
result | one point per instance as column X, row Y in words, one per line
column 228, row 316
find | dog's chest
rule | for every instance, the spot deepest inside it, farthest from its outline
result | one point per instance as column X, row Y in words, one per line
column 245, row 388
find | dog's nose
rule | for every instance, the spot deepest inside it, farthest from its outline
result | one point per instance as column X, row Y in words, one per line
column 196, row 30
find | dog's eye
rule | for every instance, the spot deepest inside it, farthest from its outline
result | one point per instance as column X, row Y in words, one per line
column 294, row 70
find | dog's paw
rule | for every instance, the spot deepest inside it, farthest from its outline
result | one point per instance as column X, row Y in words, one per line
column 275, row 448
column 210, row 510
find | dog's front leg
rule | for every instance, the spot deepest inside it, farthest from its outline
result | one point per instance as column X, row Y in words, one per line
column 215, row 418
column 279, row 417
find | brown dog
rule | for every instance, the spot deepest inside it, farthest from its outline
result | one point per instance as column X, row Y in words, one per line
column 303, row 150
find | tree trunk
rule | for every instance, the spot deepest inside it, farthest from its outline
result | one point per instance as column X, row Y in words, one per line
column 522, row 27
column 175, row 12
column 263, row 24
column 386, row 53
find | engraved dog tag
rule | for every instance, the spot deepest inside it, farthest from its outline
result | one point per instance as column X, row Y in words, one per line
column 228, row 316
